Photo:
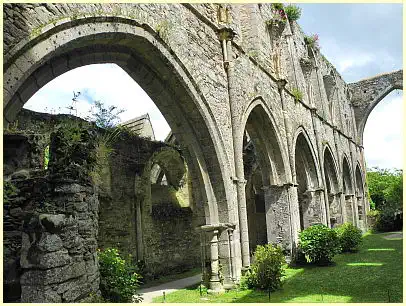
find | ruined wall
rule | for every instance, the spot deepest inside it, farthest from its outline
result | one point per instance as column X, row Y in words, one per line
column 56, row 213
column 170, row 241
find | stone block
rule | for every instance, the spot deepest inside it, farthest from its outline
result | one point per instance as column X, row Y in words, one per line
column 39, row 294
column 54, row 259
column 53, row 223
column 54, row 275
column 50, row 242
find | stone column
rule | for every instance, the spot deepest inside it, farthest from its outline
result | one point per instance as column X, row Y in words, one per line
column 140, row 245
column 226, row 36
column 291, row 183
column 278, row 216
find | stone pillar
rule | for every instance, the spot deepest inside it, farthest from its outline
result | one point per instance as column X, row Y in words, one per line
column 226, row 36
column 349, row 208
column 210, row 233
column 58, row 253
column 278, row 216
column 140, row 245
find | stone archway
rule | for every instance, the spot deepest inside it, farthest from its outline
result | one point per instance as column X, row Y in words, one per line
column 309, row 194
column 332, row 188
column 136, row 49
column 147, row 61
column 268, row 209
column 348, row 191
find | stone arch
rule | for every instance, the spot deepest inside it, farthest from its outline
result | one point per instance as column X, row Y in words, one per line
column 348, row 191
column 265, row 170
column 382, row 94
column 332, row 187
column 307, row 180
column 367, row 93
column 146, row 58
column 161, row 215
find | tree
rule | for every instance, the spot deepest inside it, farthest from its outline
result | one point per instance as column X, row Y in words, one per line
column 385, row 188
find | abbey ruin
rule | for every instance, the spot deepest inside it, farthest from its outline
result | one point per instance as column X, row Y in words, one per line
column 266, row 140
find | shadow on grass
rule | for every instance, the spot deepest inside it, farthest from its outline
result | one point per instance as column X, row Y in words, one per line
column 365, row 276
column 357, row 277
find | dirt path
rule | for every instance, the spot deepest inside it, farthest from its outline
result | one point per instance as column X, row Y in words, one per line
column 149, row 293
column 395, row 235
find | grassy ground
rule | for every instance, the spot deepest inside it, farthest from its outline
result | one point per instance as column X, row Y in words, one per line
column 169, row 278
column 374, row 274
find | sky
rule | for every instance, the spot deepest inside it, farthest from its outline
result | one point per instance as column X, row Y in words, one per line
column 360, row 40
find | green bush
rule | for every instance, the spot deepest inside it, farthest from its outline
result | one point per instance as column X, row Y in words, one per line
column 118, row 279
column 319, row 244
column 293, row 12
column 349, row 237
column 297, row 94
column 382, row 221
column 267, row 269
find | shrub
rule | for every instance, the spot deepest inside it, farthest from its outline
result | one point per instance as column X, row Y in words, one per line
column 267, row 269
column 293, row 12
column 277, row 6
column 349, row 237
column 297, row 94
column 319, row 244
column 312, row 41
column 382, row 221
column 118, row 279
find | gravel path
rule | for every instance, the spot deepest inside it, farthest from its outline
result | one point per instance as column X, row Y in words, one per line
column 395, row 235
column 149, row 293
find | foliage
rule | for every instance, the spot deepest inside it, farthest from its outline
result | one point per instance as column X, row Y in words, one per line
column 46, row 157
column 9, row 191
column 297, row 94
column 312, row 41
column 378, row 264
column 104, row 116
column 118, row 279
column 278, row 13
column 277, row 6
column 349, row 237
column 319, row 244
column 293, row 12
column 385, row 189
column 267, row 269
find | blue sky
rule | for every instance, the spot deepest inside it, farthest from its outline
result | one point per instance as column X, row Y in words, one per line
column 360, row 40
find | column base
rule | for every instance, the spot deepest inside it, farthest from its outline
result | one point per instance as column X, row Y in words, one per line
column 215, row 288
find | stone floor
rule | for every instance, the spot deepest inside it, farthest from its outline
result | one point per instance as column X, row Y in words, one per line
column 149, row 293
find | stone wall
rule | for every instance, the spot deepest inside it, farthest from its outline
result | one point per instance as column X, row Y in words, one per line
column 52, row 219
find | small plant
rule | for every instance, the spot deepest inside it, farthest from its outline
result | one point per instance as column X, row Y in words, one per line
column 312, row 41
column 349, row 237
column 118, row 281
column 297, row 94
column 46, row 157
column 319, row 244
column 278, row 13
column 267, row 269
column 293, row 12
column 104, row 116
column 277, row 6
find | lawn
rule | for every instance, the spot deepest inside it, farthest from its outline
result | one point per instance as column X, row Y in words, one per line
column 374, row 274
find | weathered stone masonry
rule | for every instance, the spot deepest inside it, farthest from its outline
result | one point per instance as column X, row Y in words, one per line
column 217, row 72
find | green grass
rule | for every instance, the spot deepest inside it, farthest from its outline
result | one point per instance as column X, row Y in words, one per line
column 374, row 274
column 169, row 278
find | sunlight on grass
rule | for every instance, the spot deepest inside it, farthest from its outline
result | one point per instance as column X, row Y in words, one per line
column 372, row 264
column 393, row 238
column 378, row 264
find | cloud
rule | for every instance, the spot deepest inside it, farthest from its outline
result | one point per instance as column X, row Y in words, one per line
column 383, row 135
column 105, row 82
